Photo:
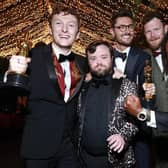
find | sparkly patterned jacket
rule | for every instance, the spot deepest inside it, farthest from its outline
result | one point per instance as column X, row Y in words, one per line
column 118, row 121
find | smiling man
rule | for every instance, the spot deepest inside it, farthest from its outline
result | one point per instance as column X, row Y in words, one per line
column 132, row 65
column 56, row 75
column 155, row 31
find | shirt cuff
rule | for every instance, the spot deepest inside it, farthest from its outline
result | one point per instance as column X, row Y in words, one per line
column 5, row 77
column 152, row 122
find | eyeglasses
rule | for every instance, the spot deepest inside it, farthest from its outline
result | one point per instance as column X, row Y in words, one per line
column 123, row 28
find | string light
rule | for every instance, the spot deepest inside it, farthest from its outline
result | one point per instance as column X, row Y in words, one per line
column 18, row 17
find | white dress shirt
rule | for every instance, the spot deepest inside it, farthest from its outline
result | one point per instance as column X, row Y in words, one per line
column 159, row 62
column 122, row 64
column 66, row 70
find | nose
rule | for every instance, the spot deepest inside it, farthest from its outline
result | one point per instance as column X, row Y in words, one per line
column 153, row 34
column 64, row 28
column 98, row 62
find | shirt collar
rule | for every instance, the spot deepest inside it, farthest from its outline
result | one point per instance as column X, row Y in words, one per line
column 57, row 51
column 127, row 50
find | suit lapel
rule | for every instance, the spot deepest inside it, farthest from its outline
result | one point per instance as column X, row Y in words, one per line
column 51, row 71
column 53, row 77
column 115, row 90
column 131, row 62
column 77, row 75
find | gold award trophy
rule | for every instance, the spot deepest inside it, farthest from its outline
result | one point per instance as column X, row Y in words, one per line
column 18, row 80
column 148, row 76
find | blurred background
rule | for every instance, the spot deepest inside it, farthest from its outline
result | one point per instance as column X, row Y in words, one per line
column 28, row 19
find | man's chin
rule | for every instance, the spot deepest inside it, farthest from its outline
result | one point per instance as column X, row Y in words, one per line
column 154, row 48
column 98, row 74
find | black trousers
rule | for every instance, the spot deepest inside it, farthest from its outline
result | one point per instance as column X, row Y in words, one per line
column 64, row 158
column 160, row 148
column 143, row 153
column 91, row 161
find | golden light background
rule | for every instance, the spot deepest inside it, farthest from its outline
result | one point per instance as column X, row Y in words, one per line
column 20, row 19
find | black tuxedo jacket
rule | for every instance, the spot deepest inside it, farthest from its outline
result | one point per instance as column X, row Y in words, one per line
column 162, row 122
column 135, row 72
column 49, row 116
column 135, row 65
column 162, row 126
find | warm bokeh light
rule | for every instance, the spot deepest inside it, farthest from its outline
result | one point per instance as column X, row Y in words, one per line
column 20, row 17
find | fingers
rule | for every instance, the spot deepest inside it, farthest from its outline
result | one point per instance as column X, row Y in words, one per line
column 116, row 143
column 149, row 89
column 118, row 74
column 18, row 64
column 132, row 105
column 130, row 99
column 88, row 77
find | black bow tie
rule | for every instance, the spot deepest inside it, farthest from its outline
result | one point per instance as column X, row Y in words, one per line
column 97, row 82
column 63, row 58
column 155, row 54
column 118, row 54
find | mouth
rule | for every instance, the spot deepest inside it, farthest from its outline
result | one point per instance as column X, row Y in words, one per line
column 153, row 40
column 64, row 36
column 126, row 36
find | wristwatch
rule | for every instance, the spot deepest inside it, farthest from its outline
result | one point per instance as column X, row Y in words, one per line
column 144, row 115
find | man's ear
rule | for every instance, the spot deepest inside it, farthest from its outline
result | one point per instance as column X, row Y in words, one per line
column 166, row 28
column 111, row 31
column 50, row 31
column 77, row 36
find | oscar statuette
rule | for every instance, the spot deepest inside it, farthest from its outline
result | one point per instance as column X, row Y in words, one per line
column 148, row 80
column 19, row 81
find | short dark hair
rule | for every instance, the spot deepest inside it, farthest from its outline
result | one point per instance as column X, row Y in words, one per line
column 151, row 15
column 66, row 10
column 122, row 13
column 91, row 48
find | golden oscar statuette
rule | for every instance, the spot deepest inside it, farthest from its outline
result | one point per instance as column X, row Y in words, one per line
column 148, row 99
column 16, row 80
column 148, row 76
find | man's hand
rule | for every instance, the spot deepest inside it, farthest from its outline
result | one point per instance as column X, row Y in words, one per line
column 18, row 64
column 116, row 142
column 149, row 89
column 88, row 77
column 118, row 74
column 132, row 105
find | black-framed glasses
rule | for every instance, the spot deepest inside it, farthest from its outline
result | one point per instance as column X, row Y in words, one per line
column 123, row 28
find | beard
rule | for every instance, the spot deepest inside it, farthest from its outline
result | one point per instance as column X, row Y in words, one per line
column 99, row 72
column 125, row 43
column 155, row 47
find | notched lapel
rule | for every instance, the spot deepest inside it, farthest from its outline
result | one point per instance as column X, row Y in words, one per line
column 77, row 88
column 131, row 61
column 77, row 75
column 51, row 71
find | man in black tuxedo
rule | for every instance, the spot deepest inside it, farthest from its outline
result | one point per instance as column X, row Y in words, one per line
column 56, row 75
column 132, row 65
column 105, row 130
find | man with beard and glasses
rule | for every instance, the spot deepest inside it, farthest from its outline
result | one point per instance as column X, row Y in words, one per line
column 105, row 132
column 155, row 31
column 132, row 65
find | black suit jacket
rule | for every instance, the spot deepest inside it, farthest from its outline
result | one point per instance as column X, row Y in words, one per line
column 135, row 65
column 162, row 126
column 49, row 116
column 162, row 121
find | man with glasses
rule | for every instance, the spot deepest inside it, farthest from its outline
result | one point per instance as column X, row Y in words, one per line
column 131, row 63
column 155, row 31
